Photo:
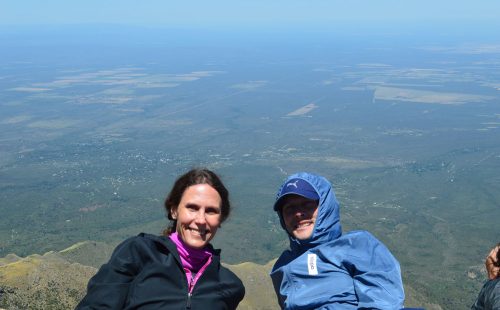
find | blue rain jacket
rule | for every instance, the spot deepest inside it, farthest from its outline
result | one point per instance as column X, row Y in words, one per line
column 335, row 271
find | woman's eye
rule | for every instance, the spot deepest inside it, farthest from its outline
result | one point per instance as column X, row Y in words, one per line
column 192, row 207
column 212, row 211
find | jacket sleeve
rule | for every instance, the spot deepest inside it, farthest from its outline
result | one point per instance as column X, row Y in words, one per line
column 376, row 274
column 495, row 297
column 489, row 296
column 231, row 287
column 108, row 289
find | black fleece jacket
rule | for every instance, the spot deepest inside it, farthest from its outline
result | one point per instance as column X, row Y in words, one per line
column 145, row 272
column 489, row 296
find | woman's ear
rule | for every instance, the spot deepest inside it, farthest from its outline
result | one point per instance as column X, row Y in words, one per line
column 173, row 213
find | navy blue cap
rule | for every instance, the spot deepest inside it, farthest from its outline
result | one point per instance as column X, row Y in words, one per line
column 298, row 187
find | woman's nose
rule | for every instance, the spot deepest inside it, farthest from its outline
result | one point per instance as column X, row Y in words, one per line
column 200, row 217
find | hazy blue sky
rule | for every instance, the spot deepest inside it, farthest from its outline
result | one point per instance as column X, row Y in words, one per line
column 239, row 12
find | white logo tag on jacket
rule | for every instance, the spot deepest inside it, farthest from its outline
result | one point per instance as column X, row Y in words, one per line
column 311, row 264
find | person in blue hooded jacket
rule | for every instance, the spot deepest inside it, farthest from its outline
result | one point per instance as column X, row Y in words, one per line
column 325, row 269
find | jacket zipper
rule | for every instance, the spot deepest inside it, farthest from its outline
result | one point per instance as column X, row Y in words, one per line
column 192, row 282
column 188, row 304
column 190, row 289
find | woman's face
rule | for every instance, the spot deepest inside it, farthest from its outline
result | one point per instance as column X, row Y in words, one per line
column 198, row 215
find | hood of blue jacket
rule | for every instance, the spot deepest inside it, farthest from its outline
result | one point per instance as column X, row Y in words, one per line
column 327, row 226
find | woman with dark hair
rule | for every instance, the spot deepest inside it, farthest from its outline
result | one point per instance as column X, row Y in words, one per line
column 180, row 269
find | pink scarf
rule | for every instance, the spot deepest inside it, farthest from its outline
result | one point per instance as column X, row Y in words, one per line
column 194, row 261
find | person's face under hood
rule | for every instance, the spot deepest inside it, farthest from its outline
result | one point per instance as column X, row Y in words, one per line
column 299, row 215
column 324, row 222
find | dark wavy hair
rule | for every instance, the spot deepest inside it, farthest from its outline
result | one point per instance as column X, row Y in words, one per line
column 190, row 178
column 498, row 256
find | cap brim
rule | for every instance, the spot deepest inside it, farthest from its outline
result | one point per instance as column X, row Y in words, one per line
column 279, row 201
